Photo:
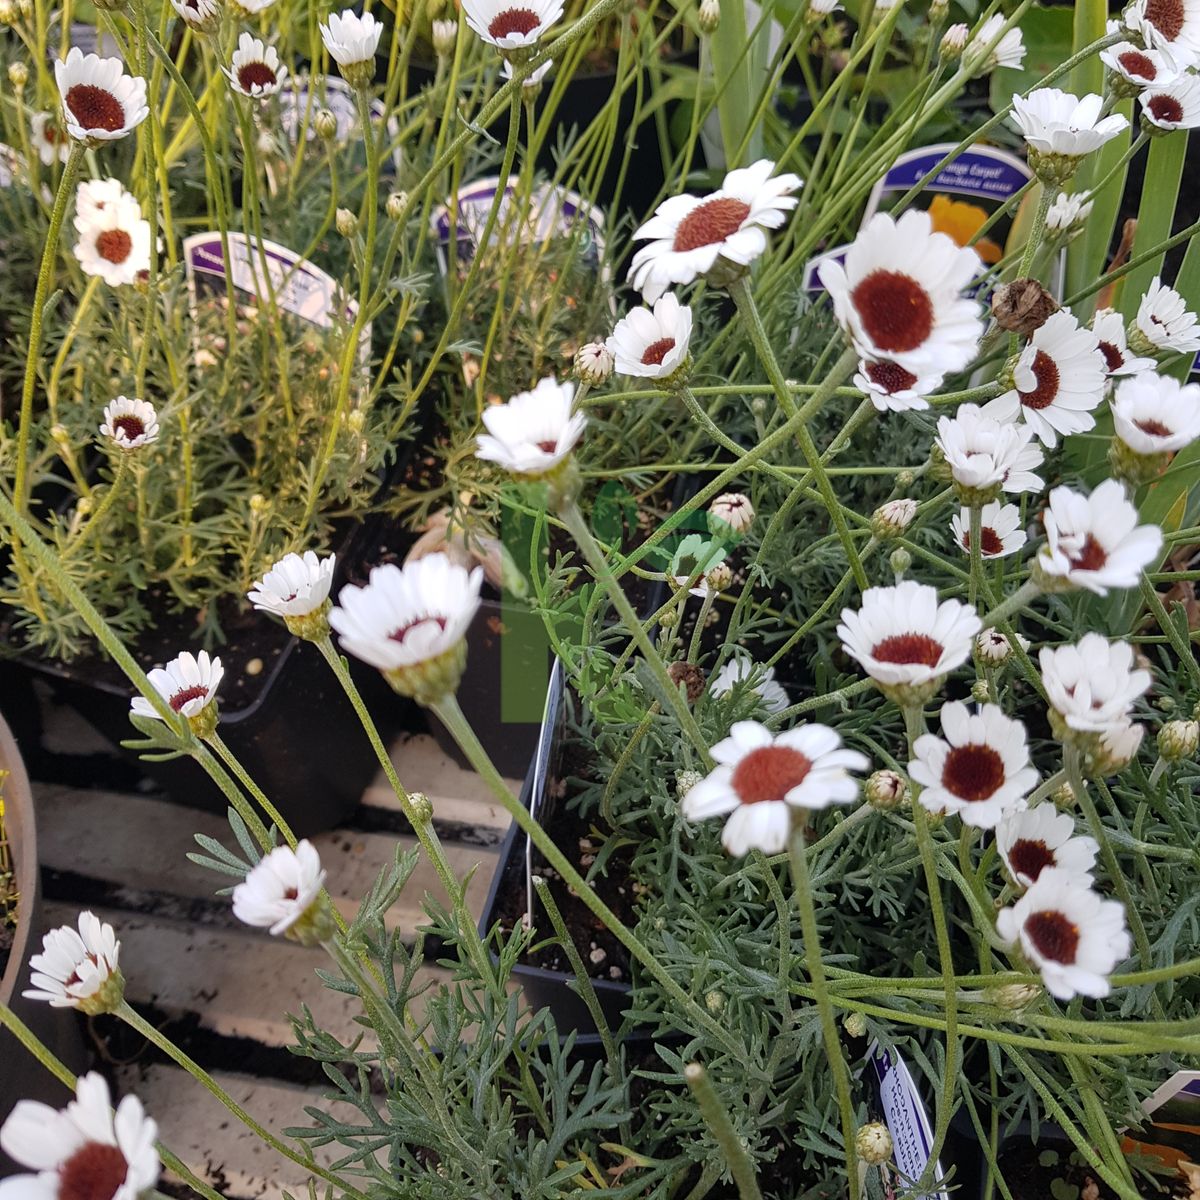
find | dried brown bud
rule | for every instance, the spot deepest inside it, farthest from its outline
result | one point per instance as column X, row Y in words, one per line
column 690, row 676
column 1022, row 306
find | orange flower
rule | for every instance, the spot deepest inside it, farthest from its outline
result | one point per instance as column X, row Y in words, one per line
column 961, row 221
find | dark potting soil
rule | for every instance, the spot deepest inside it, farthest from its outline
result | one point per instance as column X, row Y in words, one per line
column 1048, row 1172
column 7, row 934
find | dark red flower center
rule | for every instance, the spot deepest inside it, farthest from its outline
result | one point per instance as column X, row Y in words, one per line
column 1029, row 858
column 1091, row 557
column 513, row 20
column 398, row 635
column 712, row 221
column 1166, row 109
column 907, row 649
column 1153, row 428
column 114, row 245
column 1166, row 16
column 769, row 773
column 990, row 542
column 179, row 699
column 1113, row 358
column 973, row 773
column 255, row 74
column 1053, row 936
column 95, row 107
column 895, row 310
column 291, row 893
column 889, row 376
column 548, row 447
column 132, row 427
column 93, row 1172
column 1045, row 385
column 50, row 133
column 74, row 979
column 1139, row 65
column 657, row 351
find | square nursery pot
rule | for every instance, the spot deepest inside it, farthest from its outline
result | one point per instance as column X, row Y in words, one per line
column 22, row 1077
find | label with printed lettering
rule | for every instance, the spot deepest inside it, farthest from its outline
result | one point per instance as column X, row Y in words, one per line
column 905, row 1115
column 300, row 101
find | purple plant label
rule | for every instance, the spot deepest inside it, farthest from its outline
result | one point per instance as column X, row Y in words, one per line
column 811, row 279
column 905, row 1115
column 299, row 104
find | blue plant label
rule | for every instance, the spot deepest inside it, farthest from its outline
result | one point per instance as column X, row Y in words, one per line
column 984, row 172
column 905, row 1115
column 811, row 279
column 300, row 101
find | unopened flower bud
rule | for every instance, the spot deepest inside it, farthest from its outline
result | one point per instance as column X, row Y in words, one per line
column 981, row 693
column 691, row 676
column 356, row 421
column 1063, row 797
column 421, row 808
column 708, row 16
column 954, row 41
column 445, row 37
column 730, row 512
column 759, row 406
column 900, row 561
column 325, row 123
column 346, row 222
column 1178, row 740
column 886, row 790
column 258, row 504
column 855, row 1024
column 938, row 9
column 9, row 12
column 60, row 435
column 593, row 364
column 893, row 518
column 397, row 202
column 18, row 75
column 1014, row 996
column 720, row 577
column 714, row 1001
column 1022, row 306
column 685, row 781
column 992, row 647
column 873, row 1143
column 84, row 506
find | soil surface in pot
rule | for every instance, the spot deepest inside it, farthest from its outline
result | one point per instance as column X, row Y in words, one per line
column 1049, row 1172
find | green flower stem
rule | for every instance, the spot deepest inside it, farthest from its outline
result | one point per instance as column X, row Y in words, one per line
column 1179, row 641
column 233, row 794
column 66, row 186
column 798, row 857
column 578, row 527
column 96, row 520
column 1047, row 788
column 255, row 792
column 744, row 299
column 914, row 726
column 1037, row 232
column 716, row 1117
column 1020, row 599
column 197, row 1072
column 10, row 1021
column 976, row 551
column 449, row 713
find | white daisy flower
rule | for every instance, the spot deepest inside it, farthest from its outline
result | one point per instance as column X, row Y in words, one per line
column 593, row 363
column 512, row 24
column 1109, row 328
column 982, row 453
column 1156, row 414
column 822, row 8
column 114, row 242
column 255, row 70
column 1174, row 105
column 993, row 647
column 1036, row 839
column 351, row 41
column 730, row 512
column 94, row 197
column 1170, row 25
column 893, row 388
column 202, row 15
column 1117, row 748
column 980, row 770
column 534, row 78
column 652, row 344
column 1069, row 211
column 100, row 102
column 741, row 669
column 1141, row 66
column 1165, row 322
column 1058, row 380
column 902, row 636
column 695, row 554
column 82, row 1152
column 1095, row 542
column 1092, row 684
column 762, row 778
column 535, row 432
column 1009, row 51
column 892, row 518
column 280, row 889
column 899, row 295
column 1055, row 122
column 1000, row 532
column 1072, row 935
column 52, row 144
column 295, row 586
column 411, row 623
column 78, row 969
column 130, row 424
column 688, row 234
column 188, row 683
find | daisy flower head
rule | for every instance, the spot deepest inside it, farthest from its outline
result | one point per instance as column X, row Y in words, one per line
column 899, row 295
column 201, row 15
column 1169, row 25
column 1167, row 107
column 695, row 557
column 992, row 647
column 740, row 671
column 1071, row 934
column 593, row 364
column 100, row 103
column 980, row 769
column 1060, row 128
column 533, row 80
column 1109, row 328
column 114, row 241
column 986, row 456
column 731, row 513
column 51, row 142
column 252, row 8
column 188, row 684
column 255, row 70
column 130, row 424
column 96, row 196
column 652, row 343
column 763, row 780
column 281, row 894
column 82, row 1152
column 1008, row 51
column 690, row 236
column 1116, row 748
column 535, row 433
column 893, row 388
column 296, row 589
column 411, row 623
column 351, row 41
column 1068, row 213
column 893, row 517
column 1164, row 323
column 1153, row 417
column 906, row 640
column 1000, row 532
column 1135, row 67
column 1094, row 542
column 78, row 968
column 1032, row 840
column 512, row 24
column 1092, row 685
column 1058, row 380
